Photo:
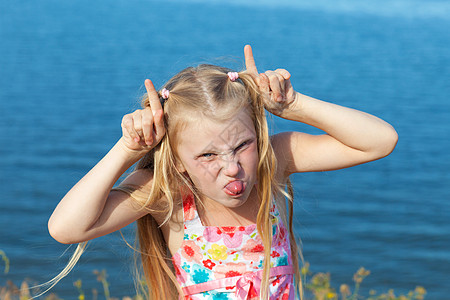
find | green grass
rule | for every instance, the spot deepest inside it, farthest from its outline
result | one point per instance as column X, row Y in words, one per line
column 320, row 288
column 317, row 285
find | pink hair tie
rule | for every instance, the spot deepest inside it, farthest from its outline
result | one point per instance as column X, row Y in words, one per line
column 233, row 75
column 165, row 93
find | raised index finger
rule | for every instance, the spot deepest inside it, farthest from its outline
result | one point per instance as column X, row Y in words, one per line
column 153, row 97
column 250, row 61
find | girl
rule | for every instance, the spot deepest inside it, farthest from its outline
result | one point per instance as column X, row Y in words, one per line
column 208, row 191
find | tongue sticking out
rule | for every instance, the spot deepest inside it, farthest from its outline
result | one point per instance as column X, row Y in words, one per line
column 234, row 188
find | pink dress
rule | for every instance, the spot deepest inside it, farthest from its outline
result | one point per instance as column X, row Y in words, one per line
column 227, row 262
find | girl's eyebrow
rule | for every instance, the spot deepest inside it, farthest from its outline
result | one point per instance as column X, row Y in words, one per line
column 212, row 148
column 239, row 141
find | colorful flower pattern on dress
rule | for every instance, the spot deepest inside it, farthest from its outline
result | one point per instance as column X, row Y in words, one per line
column 210, row 253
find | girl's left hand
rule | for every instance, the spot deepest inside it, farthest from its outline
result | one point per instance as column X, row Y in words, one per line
column 278, row 93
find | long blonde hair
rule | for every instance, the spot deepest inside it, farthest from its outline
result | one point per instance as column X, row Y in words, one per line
column 206, row 90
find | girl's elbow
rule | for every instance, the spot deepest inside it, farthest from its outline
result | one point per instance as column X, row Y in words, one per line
column 392, row 140
column 59, row 237
column 61, row 234
column 388, row 142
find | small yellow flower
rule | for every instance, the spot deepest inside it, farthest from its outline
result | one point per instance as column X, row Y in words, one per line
column 420, row 293
column 345, row 290
column 391, row 293
column 420, row 290
column 305, row 269
column 77, row 284
column 331, row 295
column 360, row 275
column 218, row 252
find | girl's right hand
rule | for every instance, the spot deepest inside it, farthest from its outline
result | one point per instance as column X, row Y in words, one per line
column 144, row 128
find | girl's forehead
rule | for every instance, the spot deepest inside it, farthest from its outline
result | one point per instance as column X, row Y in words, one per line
column 211, row 134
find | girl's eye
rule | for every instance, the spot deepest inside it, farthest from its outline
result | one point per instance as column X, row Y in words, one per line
column 207, row 156
column 241, row 146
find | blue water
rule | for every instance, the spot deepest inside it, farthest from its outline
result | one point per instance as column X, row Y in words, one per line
column 70, row 70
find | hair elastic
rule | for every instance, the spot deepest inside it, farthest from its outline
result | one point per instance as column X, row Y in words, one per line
column 165, row 93
column 233, row 75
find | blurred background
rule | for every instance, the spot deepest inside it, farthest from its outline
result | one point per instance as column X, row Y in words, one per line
column 69, row 71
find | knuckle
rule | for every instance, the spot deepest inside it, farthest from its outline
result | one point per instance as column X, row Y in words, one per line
column 131, row 133
column 136, row 113
column 159, row 116
column 273, row 77
column 147, row 121
column 127, row 121
column 137, row 126
column 125, row 117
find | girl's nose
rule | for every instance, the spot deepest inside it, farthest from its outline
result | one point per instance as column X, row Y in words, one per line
column 231, row 166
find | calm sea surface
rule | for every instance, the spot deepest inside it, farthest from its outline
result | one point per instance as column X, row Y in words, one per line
column 69, row 71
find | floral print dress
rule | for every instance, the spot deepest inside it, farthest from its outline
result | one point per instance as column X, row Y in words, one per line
column 227, row 262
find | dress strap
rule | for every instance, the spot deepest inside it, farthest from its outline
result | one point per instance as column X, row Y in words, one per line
column 274, row 209
column 190, row 213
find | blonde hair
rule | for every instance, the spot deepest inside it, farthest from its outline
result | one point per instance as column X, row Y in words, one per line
column 206, row 90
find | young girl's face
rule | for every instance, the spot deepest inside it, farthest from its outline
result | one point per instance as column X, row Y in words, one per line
column 221, row 158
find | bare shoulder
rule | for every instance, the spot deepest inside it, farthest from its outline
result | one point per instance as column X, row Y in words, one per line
column 170, row 221
column 284, row 145
column 133, row 193
column 280, row 140
column 138, row 185
column 302, row 152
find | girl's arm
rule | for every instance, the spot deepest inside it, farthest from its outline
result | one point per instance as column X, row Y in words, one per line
column 90, row 209
column 353, row 137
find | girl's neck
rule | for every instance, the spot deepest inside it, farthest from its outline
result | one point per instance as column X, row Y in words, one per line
column 213, row 213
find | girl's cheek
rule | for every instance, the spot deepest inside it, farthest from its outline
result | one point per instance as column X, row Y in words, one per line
column 204, row 171
column 249, row 161
column 252, row 153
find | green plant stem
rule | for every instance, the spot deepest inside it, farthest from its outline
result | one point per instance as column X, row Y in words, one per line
column 106, row 288
column 6, row 260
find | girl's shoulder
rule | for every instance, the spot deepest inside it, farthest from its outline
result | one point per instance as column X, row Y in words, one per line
column 140, row 183
column 170, row 223
column 138, row 186
column 283, row 141
column 282, row 145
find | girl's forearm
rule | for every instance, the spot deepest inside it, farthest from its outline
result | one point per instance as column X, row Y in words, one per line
column 351, row 127
column 83, row 204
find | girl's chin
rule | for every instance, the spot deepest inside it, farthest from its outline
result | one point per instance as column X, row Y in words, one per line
column 228, row 201
column 234, row 203
column 231, row 199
